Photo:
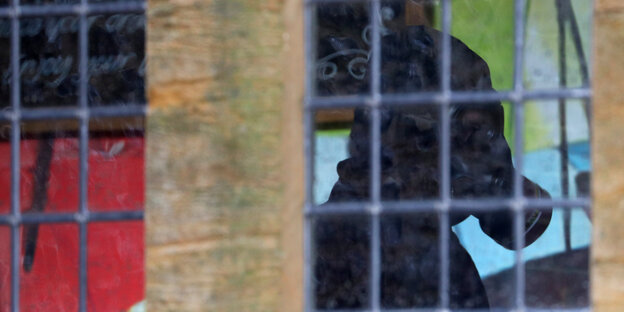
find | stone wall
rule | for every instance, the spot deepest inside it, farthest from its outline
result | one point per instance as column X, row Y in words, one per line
column 224, row 156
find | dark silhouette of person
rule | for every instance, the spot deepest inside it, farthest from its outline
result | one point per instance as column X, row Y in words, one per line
column 481, row 167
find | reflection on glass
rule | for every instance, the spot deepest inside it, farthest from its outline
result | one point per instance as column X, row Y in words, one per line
column 5, row 265
column 116, row 153
column 116, row 59
column 556, row 151
column 341, row 268
column 48, row 166
column 115, row 253
column 410, row 251
column 481, row 160
column 5, row 63
column 556, row 264
column 544, row 51
column 482, row 168
column 52, row 281
column 49, row 61
column 332, row 147
column 49, row 2
column 343, row 49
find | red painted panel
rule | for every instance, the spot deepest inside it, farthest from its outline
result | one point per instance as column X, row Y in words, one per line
column 116, row 250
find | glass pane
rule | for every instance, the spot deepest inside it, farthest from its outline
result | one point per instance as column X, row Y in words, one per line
column 49, row 61
column 342, row 262
column 5, row 62
column 544, row 53
column 49, row 276
column 481, row 155
column 116, row 273
column 108, row 1
column 410, row 153
column 560, row 277
column 486, row 28
column 5, row 268
column 342, row 49
column 410, row 257
column 560, row 162
column 483, row 160
column 49, row 162
column 409, row 47
column 556, row 265
column 52, row 2
column 117, row 59
column 341, row 156
column 116, row 164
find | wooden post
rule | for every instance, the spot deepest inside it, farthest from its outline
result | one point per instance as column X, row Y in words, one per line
column 607, row 266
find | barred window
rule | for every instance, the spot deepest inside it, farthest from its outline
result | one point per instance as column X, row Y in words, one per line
column 447, row 149
column 72, row 189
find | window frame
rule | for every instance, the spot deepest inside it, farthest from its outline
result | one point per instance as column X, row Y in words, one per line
column 444, row 98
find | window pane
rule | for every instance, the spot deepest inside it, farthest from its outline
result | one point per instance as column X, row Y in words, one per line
column 543, row 54
column 481, row 156
column 482, row 130
column 557, row 134
column 5, row 267
column 52, row 280
column 116, row 164
column 116, row 59
column 5, row 61
column 342, row 262
column 410, row 257
column 342, row 49
column 115, row 263
column 49, row 61
column 49, row 178
column 341, row 155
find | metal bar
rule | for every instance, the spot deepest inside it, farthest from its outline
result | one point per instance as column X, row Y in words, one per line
column 73, row 9
column 82, row 274
column 308, row 2
column 428, row 98
column 309, row 254
column 308, row 139
column 582, row 59
column 445, row 156
column 15, row 158
column 563, row 131
column 308, row 267
column 83, row 103
column 375, row 158
column 455, row 205
column 55, row 113
column 31, row 218
column 518, row 195
column 458, row 310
